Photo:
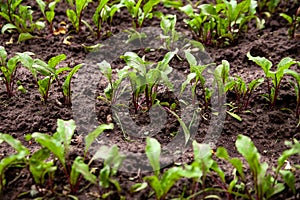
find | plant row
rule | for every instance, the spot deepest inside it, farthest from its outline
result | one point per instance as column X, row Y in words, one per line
column 44, row 165
column 146, row 77
column 215, row 23
column 44, row 73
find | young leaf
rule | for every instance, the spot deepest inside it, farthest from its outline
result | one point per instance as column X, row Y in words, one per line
column 39, row 167
column 89, row 139
column 264, row 63
column 79, row 167
column 153, row 151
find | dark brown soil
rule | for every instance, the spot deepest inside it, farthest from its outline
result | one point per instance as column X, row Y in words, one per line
column 268, row 129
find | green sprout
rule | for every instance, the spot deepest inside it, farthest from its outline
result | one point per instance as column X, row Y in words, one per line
column 274, row 76
column 293, row 21
column 75, row 16
column 244, row 91
column 50, row 14
column 220, row 23
column 19, row 17
column 138, row 12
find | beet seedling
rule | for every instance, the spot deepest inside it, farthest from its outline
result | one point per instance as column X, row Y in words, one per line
column 19, row 17
column 8, row 69
column 296, row 76
column 144, row 80
column 161, row 184
column 75, row 15
column 244, row 92
column 111, row 91
column 140, row 12
column 170, row 35
column 196, row 76
column 223, row 81
column 67, row 84
column 293, row 21
column 50, row 14
column 12, row 160
column 103, row 13
column 274, row 76
column 59, row 146
column 221, row 22
column 50, row 73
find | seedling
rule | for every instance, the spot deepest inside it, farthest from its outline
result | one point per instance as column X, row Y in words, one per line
column 201, row 167
column 274, row 76
column 223, row 81
column 161, row 184
column 50, row 73
column 19, row 17
column 59, row 146
column 8, row 69
column 103, row 13
column 222, row 22
column 170, row 35
column 244, row 92
column 111, row 91
column 39, row 167
column 271, row 5
column 296, row 76
column 144, row 80
column 67, row 84
column 12, row 160
column 50, row 14
column 196, row 76
column 138, row 12
column 293, row 21
column 76, row 15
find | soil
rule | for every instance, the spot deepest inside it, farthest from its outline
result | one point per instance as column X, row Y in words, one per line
column 268, row 128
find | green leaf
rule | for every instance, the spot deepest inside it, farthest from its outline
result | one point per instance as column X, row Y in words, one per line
column 169, row 178
column 104, row 176
column 134, row 61
column 138, row 187
column 208, row 9
column 3, row 56
column 54, row 61
column 14, row 143
column 67, row 83
column 89, row 139
column 153, row 151
column 235, row 116
column 156, row 185
column 255, row 83
column 6, row 162
column 64, row 132
column 42, row 5
column 287, row 17
column 289, row 179
column 44, row 86
column 73, row 18
column 188, row 10
column 79, row 167
column 190, row 58
column 39, row 167
column 7, row 27
column 188, row 80
column 285, row 63
column 24, row 36
column 264, row 63
column 111, row 157
column 52, row 144
column 105, row 68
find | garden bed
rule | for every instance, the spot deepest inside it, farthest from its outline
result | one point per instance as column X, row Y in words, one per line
column 26, row 113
